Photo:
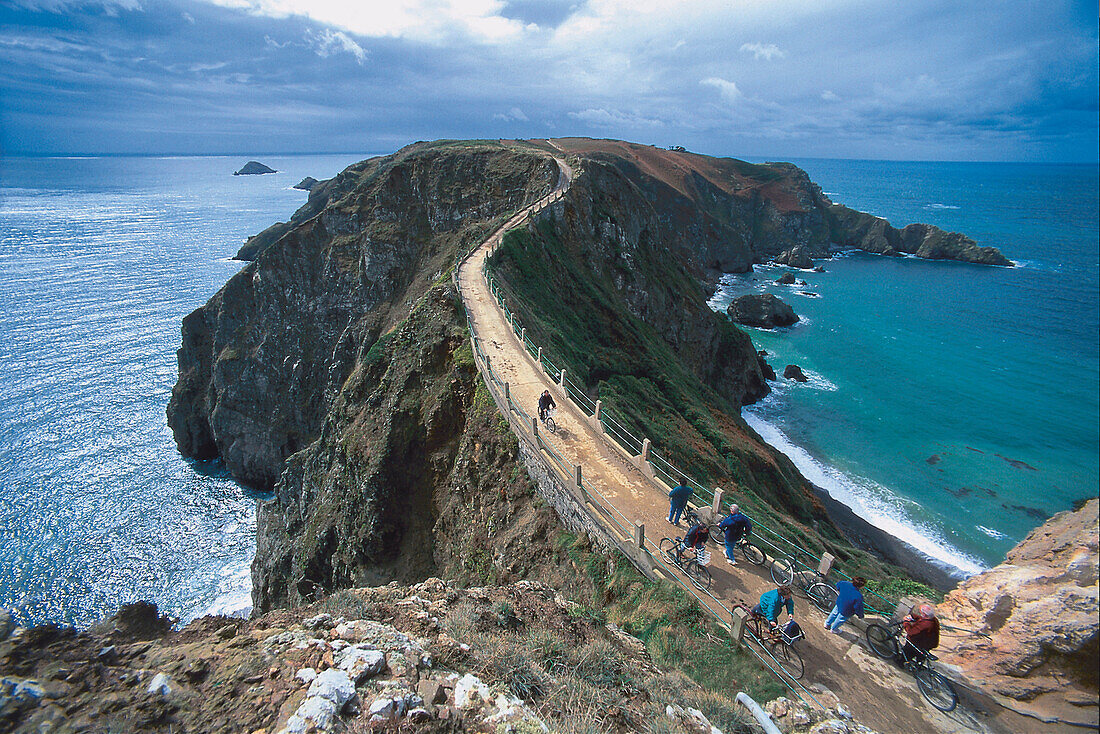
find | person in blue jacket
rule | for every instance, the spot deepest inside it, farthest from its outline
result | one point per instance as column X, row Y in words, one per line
column 849, row 601
column 735, row 527
column 677, row 501
column 772, row 602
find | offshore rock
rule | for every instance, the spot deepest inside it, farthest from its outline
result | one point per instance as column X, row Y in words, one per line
column 307, row 183
column 762, row 310
column 796, row 257
column 1039, row 609
column 786, row 279
column 254, row 168
column 794, row 372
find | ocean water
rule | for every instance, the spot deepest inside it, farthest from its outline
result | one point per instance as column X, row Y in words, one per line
column 100, row 260
column 954, row 405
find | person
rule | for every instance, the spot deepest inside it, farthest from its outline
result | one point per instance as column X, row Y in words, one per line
column 677, row 501
column 696, row 538
column 849, row 601
column 922, row 632
column 546, row 402
column 772, row 602
column 735, row 527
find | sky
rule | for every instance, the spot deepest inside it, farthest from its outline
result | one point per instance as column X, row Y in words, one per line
column 1013, row 80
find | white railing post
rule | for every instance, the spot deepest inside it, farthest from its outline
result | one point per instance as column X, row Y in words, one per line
column 540, row 356
column 826, row 564
column 562, row 380
column 716, row 506
column 639, row 534
column 523, row 334
column 599, row 409
column 645, row 450
column 535, row 425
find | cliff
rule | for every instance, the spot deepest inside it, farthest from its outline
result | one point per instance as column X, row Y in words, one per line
column 335, row 368
column 1039, row 611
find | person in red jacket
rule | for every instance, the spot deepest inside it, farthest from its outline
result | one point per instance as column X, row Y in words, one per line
column 922, row 632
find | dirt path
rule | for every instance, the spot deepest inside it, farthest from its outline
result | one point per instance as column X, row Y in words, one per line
column 877, row 693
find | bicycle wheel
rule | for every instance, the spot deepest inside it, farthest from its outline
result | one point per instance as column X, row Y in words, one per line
column 717, row 536
column 752, row 554
column 668, row 550
column 699, row 574
column 822, row 595
column 789, row 659
column 937, row 690
column 783, row 571
column 882, row 641
column 550, row 425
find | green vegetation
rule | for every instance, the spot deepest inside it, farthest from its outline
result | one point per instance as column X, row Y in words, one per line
column 678, row 634
column 893, row 589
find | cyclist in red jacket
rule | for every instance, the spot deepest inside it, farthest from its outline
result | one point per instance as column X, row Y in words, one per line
column 922, row 632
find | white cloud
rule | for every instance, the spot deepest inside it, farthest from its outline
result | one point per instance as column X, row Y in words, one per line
column 432, row 21
column 601, row 117
column 829, row 96
column 513, row 115
column 189, row 18
column 766, row 51
column 329, row 42
column 726, row 88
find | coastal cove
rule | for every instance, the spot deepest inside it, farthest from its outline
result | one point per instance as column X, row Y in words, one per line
column 954, row 406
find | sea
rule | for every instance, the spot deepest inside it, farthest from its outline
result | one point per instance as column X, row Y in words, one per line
column 100, row 260
column 953, row 405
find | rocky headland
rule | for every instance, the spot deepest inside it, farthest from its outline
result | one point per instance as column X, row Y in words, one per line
column 335, row 372
column 307, row 183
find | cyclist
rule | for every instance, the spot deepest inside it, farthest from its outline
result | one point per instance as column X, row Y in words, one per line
column 735, row 527
column 696, row 538
column 772, row 602
column 677, row 500
column 849, row 601
column 546, row 402
column 922, row 632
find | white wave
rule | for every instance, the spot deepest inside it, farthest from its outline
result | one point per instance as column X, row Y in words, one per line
column 234, row 593
column 808, row 294
column 818, row 381
column 1036, row 265
column 936, row 205
column 995, row 534
column 869, row 500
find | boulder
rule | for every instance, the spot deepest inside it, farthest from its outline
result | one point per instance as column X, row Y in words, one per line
column 764, row 310
column 796, row 257
column 307, row 183
column 785, row 279
column 254, row 168
column 335, row 685
column 794, row 372
column 765, row 368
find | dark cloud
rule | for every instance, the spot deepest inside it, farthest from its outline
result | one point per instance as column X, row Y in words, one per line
column 786, row 79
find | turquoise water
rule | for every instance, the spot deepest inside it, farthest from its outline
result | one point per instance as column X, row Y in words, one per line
column 954, row 405
column 100, row 260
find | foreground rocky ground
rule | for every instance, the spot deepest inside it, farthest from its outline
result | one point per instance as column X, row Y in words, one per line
column 431, row 658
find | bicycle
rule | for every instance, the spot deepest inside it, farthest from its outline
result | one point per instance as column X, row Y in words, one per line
column 883, row 640
column 548, row 420
column 694, row 565
column 776, row 642
column 752, row 553
column 811, row 584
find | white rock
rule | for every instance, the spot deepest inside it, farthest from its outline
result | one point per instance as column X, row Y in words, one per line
column 470, row 691
column 306, row 675
column 159, row 684
column 314, row 713
column 333, row 684
column 388, row 708
column 360, row 662
column 321, row 621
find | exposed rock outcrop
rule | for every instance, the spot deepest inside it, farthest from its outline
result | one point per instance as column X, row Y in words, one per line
column 254, row 168
column 307, row 183
column 786, row 279
column 444, row 659
column 763, row 310
column 1040, row 611
column 796, row 257
column 794, row 372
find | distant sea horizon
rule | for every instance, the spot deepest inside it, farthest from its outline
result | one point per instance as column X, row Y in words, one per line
column 102, row 256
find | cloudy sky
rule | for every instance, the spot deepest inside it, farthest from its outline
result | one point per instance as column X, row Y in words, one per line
column 923, row 79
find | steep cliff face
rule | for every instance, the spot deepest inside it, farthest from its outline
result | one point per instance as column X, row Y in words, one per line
column 261, row 363
column 1040, row 611
column 731, row 213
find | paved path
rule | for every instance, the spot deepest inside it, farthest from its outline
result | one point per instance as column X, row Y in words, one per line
column 876, row 692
